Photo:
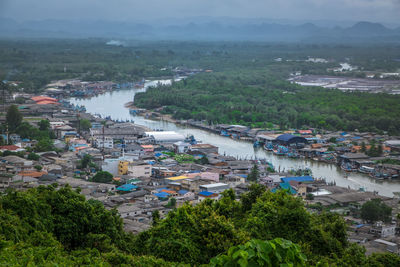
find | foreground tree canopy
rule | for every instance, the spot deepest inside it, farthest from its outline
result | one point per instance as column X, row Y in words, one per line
column 50, row 226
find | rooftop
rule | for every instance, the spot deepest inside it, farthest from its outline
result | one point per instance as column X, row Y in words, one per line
column 213, row 185
column 176, row 178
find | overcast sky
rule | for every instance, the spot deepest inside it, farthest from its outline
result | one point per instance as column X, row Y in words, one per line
column 387, row 11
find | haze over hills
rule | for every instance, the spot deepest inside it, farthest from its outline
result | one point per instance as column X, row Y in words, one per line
column 203, row 28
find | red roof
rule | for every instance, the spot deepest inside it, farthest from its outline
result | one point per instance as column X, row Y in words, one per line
column 10, row 147
column 304, row 131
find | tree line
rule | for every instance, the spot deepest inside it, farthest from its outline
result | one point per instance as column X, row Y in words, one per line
column 259, row 99
column 57, row 226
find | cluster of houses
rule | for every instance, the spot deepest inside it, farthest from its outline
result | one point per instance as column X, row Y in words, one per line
column 349, row 150
column 79, row 88
column 160, row 170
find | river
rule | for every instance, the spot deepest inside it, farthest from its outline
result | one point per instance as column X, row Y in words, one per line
column 112, row 104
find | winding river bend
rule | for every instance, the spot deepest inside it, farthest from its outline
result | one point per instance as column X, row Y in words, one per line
column 112, row 104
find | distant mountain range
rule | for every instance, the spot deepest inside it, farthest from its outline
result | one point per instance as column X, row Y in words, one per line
column 217, row 29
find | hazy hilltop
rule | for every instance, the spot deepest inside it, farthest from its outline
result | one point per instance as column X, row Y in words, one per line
column 203, row 28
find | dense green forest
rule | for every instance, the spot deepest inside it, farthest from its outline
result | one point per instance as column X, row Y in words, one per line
column 247, row 86
column 35, row 63
column 50, row 226
column 258, row 99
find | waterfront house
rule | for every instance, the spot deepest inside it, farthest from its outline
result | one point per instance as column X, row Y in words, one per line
column 289, row 139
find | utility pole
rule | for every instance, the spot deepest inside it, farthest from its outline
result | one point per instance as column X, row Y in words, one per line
column 6, row 134
column 79, row 122
column 3, row 85
column 103, row 138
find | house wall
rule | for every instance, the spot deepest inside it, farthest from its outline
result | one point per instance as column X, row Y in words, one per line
column 139, row 170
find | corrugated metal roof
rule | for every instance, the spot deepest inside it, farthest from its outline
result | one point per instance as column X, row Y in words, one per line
column 206, row 193
column 298, row 179
column 126, row 187
column 162, row 195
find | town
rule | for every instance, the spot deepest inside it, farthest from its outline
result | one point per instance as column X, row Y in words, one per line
column 145, row 174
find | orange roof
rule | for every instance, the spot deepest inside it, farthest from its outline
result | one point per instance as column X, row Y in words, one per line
column 34, row 174
column 46, row 102
column 358, row 148
column 41, row 98
column 316, row 145
column 147, row 146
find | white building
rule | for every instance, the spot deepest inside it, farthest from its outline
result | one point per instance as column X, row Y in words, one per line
column 106, row 142
column 214, row 188
column 382, row 230
column 111, row 166
column 181, row 147
column 139, row 170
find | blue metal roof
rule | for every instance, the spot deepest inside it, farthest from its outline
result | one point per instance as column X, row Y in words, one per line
column 297, row 179
column 287, row 186
column 162, row 195
column 127, row 187
column 285, row 137
column 284, row 186
column 182, row 192
column 206, row 193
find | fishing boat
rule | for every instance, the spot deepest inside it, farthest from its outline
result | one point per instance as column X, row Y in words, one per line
column 224, row 133
column 281, row 151
column 269, row 147
column 347, row 167
column 293, row 155
column 366, row 169
column 191, row 140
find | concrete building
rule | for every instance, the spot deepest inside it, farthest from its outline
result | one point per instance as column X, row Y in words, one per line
column 214, row 188
column 134, row 169
column 106, row 142
column 165, row 137
column 381, row 230
column 181, row 147
column 386, row 245
column 204, row 148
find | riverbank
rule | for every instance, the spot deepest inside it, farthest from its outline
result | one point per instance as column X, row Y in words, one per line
column 112, row 105
column 350, row 151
